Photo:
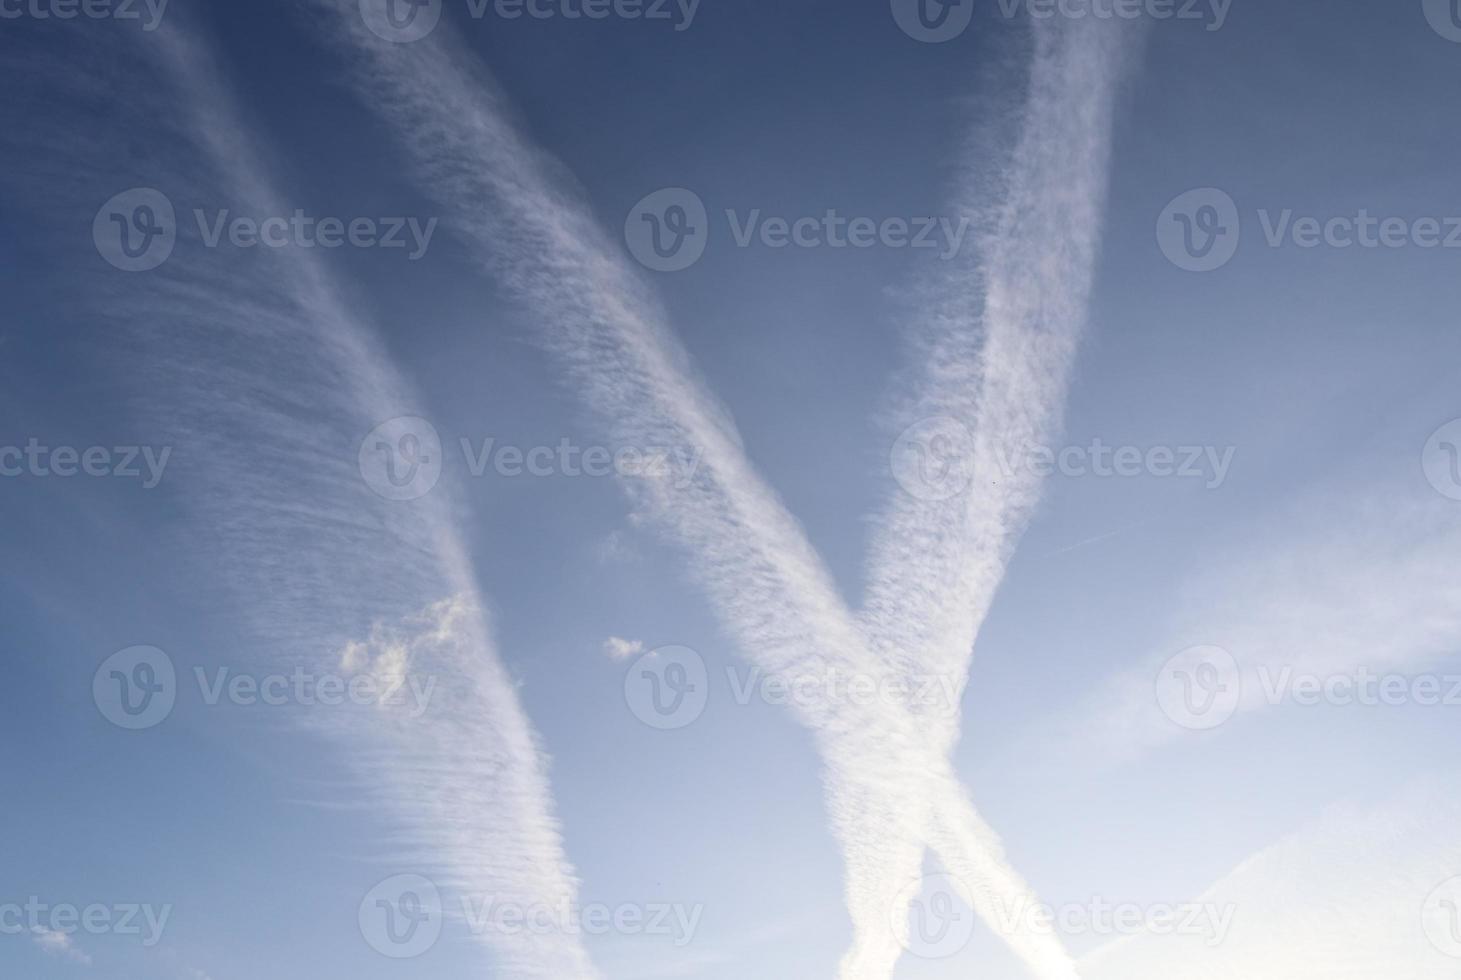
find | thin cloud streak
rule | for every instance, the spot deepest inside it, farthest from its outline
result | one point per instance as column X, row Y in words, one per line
column 1328, row 585
column 612, row 337
column 996, row 336
column 1346, row 896
column 258, row 365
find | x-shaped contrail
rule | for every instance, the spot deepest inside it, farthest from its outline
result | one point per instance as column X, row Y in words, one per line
column 892, row 789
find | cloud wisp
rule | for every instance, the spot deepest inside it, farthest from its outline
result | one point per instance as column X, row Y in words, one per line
column 1338, row 587
column 1363, row 892
column 613, row 339
column 268, row 380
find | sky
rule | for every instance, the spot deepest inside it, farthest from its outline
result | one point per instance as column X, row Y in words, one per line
column 804, row 489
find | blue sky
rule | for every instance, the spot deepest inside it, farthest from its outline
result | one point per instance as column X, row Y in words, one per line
column 1303, row 526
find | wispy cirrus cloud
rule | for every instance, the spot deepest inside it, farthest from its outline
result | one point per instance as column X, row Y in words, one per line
column 614, row 342
column 59, row 944
column 1362, row 892
column 1331, row 584
column 262, row 370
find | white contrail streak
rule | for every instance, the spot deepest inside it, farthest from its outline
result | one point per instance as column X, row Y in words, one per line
column 754, row 559
column 996, row 335
column 267, row 382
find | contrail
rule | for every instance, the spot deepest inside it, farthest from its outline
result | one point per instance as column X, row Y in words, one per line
column 996, row 335
column 754, row 559
column 268, row 381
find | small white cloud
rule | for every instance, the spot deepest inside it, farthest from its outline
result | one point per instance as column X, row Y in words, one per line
column 619, row 649
column 615, row 549
column 59, row 944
